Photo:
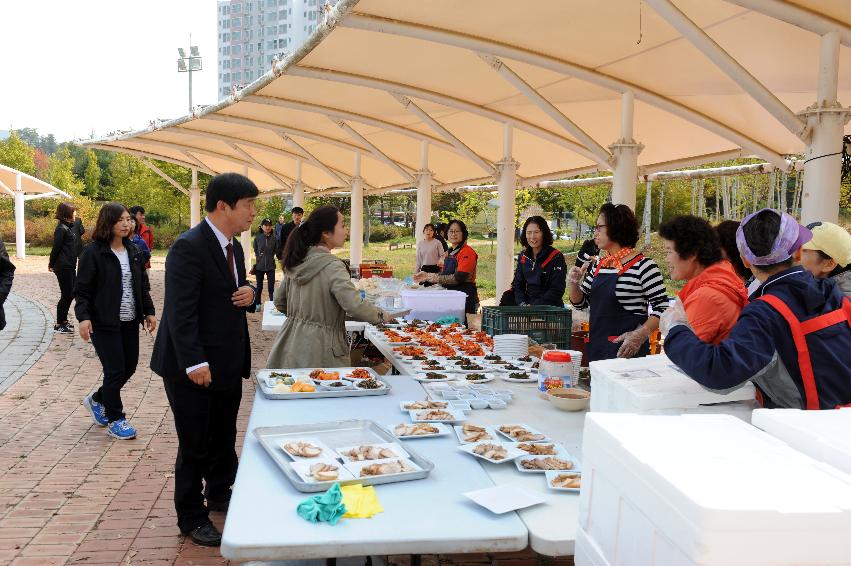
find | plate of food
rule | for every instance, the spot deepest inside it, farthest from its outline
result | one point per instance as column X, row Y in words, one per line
column 544, row 449
column 390, row 467
column 425, row 404
column 521, row 433
column 406, row 431
column 469, row 368
column 518, row 377
column 324, row 470
column 438, row 416
column 564, row 481
column 478, row 377
column 374, row 451
column 324, row 375
column 470, row 433
column 494, row 452
column 307, row 449
column 536, row 464
column 434, row 376
column 370, row 384
column 339, row 385
column 358, row 373
column 431, row 365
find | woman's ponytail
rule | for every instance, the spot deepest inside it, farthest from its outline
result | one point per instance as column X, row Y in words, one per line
column 307, row 234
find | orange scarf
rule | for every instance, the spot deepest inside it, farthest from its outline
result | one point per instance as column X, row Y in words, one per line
column 614, row 260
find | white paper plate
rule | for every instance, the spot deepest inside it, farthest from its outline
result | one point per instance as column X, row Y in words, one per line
column 504, row 498
column 512, row 451
column 459, row 432
column 532, row 378
column 442, row 430
column 405, row 409
column 561, row 451
column 527, row 427
column 457, row 416
column 488, row 377
column 419, row 367
column 302, row 468
column 398, row 450
column 422, row 377
column 355, row 467
column 326, row 454
column 518, row 463
column 551, row 475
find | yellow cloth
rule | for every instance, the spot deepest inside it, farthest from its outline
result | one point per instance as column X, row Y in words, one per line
column 361, row 502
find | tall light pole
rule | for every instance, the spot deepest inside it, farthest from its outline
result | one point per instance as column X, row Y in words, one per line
column 189, row 64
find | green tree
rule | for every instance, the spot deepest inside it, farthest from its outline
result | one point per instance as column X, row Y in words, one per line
column 522, row 200
column 472, row 203
column 60, row 172
column 91, row 175
column 15, row 153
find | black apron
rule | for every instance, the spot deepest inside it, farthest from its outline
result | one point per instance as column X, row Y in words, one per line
column 450, row 266
column 609, row 319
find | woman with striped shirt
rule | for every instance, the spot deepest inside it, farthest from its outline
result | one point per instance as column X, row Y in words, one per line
column 624, row 289
column 112, row 299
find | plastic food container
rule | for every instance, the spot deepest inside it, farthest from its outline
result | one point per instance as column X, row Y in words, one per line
column 433, row 305
column 556, row 370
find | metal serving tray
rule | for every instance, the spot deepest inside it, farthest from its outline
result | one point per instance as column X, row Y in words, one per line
column 335, row 434
column 267, row 392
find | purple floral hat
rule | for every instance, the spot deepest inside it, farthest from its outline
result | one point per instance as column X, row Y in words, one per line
column 790, row 237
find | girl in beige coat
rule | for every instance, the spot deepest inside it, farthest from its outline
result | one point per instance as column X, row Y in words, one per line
column 316, row 294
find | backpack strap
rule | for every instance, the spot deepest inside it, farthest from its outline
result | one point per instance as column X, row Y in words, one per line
column 799, row 332
column 550, row 257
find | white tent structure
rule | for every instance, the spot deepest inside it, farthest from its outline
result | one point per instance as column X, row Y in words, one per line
column 389, row 94
column 23, row 187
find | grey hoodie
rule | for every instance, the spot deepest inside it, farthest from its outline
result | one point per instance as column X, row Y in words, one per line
column 843, row 281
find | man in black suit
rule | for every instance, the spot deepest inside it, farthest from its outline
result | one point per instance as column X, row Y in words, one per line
column 287, row 229
column 202, row 351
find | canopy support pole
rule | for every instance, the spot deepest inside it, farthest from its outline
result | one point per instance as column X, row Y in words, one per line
column 298, row 186
column 162, row 174
column 20, row 230
column 356, row 229
column 826, row 119
column 194, row 200
column 506, row 187
column 625, row 152
column 424, row 185
column 245, row 239
column 732, row 68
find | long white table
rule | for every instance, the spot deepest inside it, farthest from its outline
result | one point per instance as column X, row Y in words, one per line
column 273, row 320
column 422, row 516
column 552, row 526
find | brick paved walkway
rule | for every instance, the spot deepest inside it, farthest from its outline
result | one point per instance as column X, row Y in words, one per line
column 28, row 332
column 71, row 494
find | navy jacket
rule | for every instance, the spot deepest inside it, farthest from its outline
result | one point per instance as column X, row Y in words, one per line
column 540, row 280
column 760, row 347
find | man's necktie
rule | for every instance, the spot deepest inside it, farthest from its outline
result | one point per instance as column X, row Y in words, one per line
column 229, row 249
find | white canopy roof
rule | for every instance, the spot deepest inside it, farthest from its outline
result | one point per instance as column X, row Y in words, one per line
column 712, row 79
column 29, row 185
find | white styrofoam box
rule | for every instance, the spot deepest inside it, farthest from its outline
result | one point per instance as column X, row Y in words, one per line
column 652, row 383
column 708, row 490
column 824, row 435
column 433, row 304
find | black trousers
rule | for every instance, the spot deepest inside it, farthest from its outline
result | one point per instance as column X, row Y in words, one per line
column 118, row 352
column 271, row 277
column 67, row 277
column 206, row 432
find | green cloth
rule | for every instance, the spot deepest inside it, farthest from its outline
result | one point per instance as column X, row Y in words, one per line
column 447, row 320
column 326, row 507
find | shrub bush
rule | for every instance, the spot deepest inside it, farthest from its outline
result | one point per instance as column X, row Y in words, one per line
column 387, row 233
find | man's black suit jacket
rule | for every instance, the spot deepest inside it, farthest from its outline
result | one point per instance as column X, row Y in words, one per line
column 200, row 323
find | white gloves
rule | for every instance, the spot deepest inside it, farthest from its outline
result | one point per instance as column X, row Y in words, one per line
column 673, row 316
column 631, row 342
column 575, row 275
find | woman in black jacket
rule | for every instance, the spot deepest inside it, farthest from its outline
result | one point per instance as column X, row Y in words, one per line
column 540, row 275
column 113, row 299
column 63, row 263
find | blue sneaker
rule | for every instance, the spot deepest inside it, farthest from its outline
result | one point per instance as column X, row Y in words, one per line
column 121, row 430
column 97, row 410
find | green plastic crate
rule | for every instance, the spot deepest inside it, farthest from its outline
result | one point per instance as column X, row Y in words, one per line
column 544, row 324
